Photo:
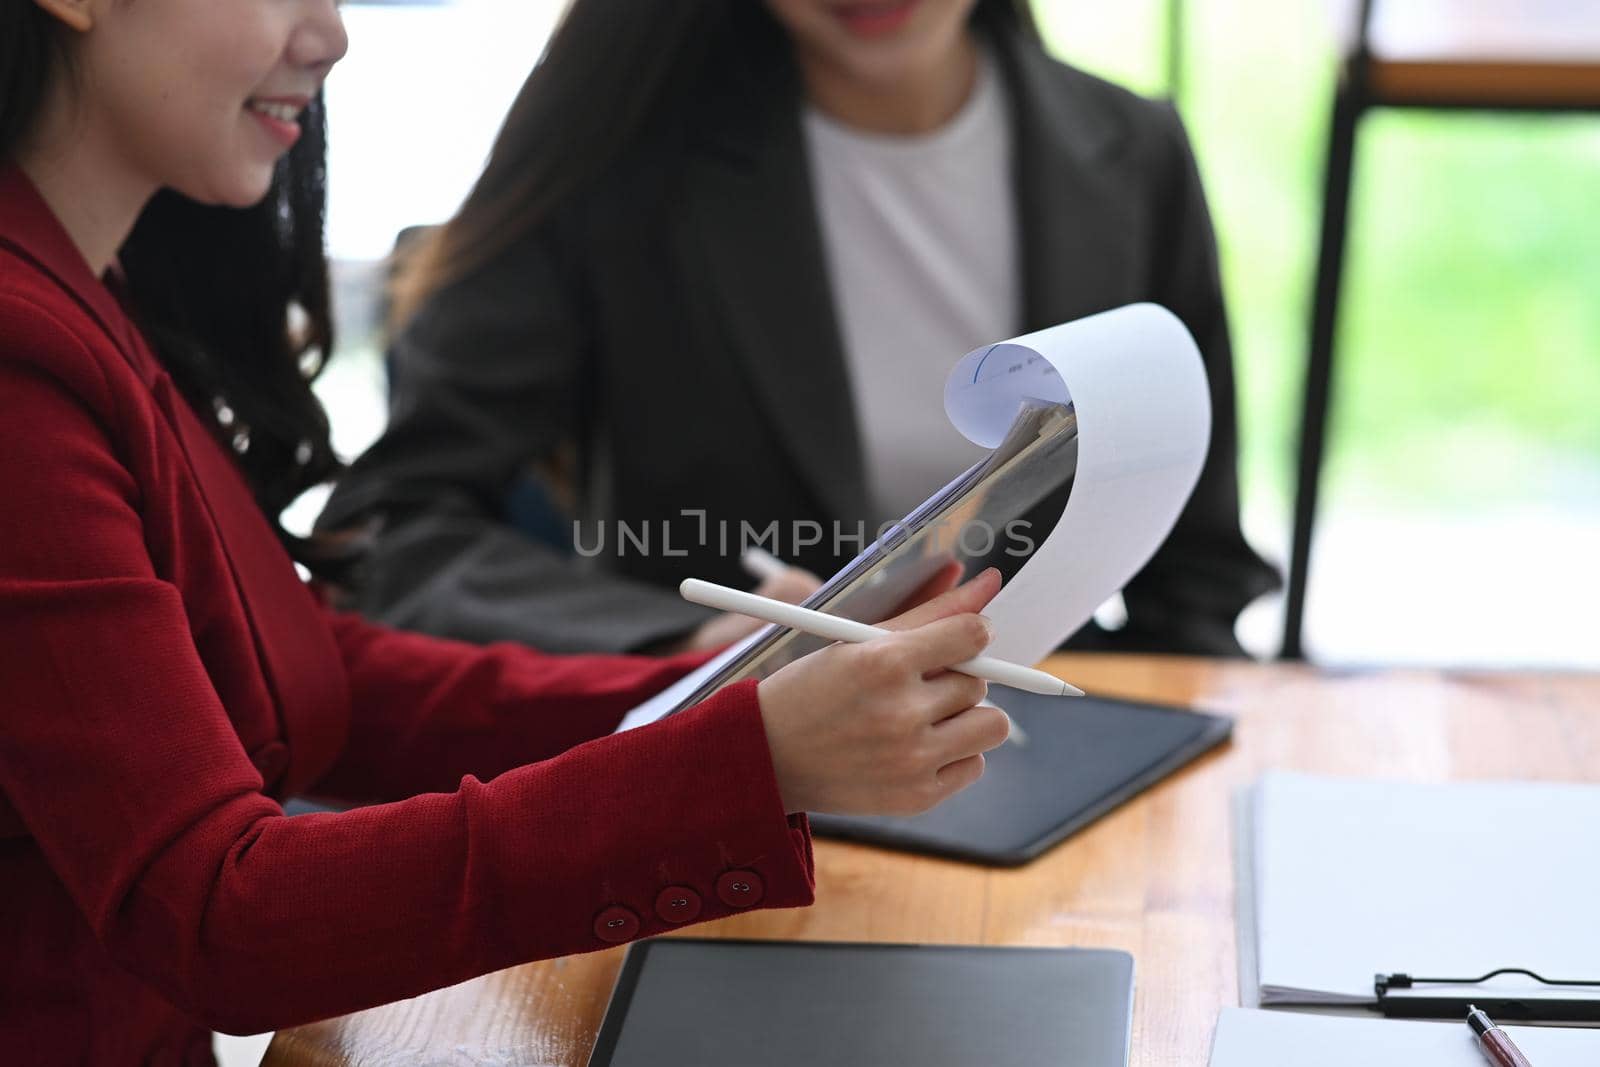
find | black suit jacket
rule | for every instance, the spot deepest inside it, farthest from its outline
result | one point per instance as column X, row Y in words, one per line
column 669, row 343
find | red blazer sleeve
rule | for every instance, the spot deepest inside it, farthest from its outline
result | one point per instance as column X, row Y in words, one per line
column 124, row 767
column 427, row 711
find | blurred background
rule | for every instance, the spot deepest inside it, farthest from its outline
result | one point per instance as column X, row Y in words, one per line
column 1460, row 510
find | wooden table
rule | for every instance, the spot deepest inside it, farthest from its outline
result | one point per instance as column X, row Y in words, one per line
column 1153, row 877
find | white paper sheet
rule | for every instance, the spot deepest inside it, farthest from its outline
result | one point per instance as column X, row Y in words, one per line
column 1354, row 878
column 1138, row 387
column 1248, row 1038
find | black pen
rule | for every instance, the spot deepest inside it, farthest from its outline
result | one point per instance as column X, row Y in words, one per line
column 1495, row 1042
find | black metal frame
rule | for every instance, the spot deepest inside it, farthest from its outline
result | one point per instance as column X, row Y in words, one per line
column 1352, row 99
column 1175, row 51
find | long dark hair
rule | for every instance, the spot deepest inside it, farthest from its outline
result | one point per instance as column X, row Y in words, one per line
column 235, row 301
column 576, row 111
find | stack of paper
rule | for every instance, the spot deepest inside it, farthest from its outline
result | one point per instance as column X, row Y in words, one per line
column 1276, row 1039
column 1340, row 880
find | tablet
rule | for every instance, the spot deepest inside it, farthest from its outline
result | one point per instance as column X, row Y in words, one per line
column 1084, row 756
column 682, row 1002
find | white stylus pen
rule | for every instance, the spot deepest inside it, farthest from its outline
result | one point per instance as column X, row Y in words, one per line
column 836, row 629
column 762, row 565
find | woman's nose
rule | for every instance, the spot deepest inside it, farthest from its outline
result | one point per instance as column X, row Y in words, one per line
column 320, row 40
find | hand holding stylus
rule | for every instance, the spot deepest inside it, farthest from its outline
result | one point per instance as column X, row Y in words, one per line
column 885, row 727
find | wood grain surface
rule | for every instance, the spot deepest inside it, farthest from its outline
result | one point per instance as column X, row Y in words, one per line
column 1154, row 877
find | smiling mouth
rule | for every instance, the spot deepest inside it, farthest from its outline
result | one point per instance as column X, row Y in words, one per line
column 275, row 109
column 277, row 117
column 873, row 18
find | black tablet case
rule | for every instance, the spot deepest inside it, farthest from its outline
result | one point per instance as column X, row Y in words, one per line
column 682, row 1002
column 1084, row 756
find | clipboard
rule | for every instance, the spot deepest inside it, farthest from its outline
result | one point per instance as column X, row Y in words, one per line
column 1103, row 423
column 1548, row 1000
column 1037, row 459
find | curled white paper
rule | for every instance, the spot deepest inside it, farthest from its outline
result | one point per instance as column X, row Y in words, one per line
column 1138, row 387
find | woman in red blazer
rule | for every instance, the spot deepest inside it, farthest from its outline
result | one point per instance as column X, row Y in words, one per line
column 168, row 676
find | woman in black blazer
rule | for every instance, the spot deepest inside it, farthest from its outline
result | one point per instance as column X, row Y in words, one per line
column 632, row 321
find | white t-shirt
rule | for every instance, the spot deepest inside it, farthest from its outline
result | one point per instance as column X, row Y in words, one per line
column 920, row 237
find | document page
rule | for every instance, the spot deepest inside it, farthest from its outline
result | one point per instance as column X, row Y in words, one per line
column 1354, row 878
column 1247, row 1038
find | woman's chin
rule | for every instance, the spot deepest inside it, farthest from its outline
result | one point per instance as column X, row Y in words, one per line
column 243, row 189
column 886, row 64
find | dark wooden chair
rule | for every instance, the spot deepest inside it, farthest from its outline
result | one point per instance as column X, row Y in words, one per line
column 1465, row 55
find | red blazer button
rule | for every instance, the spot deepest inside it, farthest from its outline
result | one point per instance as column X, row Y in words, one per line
column 678, row 904
column 740, row 889
column 616, row 924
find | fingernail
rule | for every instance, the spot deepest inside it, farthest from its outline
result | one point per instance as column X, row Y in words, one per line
column 988, row 628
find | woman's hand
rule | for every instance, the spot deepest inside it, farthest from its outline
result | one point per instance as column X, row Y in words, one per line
column 882, row 727
column 790, row 585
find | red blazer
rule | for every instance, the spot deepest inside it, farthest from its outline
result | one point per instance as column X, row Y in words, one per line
column 166, row 677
